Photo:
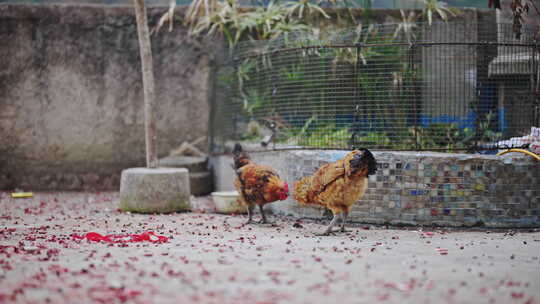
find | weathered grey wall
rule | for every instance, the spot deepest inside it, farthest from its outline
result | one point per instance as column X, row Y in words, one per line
column 71, row 101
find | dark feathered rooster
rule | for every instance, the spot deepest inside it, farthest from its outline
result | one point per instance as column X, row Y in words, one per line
column 256, row 184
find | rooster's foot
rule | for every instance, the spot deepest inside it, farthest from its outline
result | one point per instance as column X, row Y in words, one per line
column 326, row 233
column 265, row 221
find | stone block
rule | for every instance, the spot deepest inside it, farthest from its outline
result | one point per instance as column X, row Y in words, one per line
column 201, row 183
column 160, row 190
column 193, row 164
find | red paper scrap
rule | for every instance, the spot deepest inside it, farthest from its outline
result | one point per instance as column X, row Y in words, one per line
column 147, row 236
column 442, row 251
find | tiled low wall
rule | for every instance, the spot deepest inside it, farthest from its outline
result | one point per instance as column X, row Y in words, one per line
column 426, row 188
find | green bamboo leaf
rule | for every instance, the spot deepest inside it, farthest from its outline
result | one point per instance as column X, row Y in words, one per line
column 318, row 8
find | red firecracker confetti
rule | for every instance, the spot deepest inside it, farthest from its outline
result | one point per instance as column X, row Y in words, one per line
column 147, row 236
column 442, row 251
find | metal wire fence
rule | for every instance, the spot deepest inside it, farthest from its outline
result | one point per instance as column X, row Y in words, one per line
column 408, row 86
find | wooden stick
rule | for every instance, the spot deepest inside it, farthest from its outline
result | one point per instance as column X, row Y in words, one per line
column 148, row 84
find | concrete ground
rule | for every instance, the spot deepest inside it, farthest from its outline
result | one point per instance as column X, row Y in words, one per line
column 212, row 258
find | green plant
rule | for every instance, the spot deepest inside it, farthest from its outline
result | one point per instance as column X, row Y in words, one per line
column 351, row 56
column 326, row 137
column 243, row 72
column 484, row 131
column 259, row 88
column 293, row 133
column 406, row 26
column 254, row 131
column 252, row 102
column 299, row 7
column 450, row 137
column 214, row 17
column 437, row 136
column 374, row 139
column 440, row 8
column 211, row 17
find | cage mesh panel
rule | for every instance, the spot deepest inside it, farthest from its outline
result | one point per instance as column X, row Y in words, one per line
column 448, row 86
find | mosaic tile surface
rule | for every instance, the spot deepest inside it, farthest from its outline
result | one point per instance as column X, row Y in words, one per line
column 428, row 188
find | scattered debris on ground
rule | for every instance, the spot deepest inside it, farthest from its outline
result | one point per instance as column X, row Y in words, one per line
column 78, row 248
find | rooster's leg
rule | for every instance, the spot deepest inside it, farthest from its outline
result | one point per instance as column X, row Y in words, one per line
column 332, row 224
column 263, row 220
column 344, row 216
column 250, row 213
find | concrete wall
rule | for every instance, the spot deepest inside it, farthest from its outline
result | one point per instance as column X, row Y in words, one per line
column 420, row 188
column 71, row 93
column 71, row 100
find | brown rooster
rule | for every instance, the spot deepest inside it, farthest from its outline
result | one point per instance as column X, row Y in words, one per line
column 256, row 184
column 337, row 186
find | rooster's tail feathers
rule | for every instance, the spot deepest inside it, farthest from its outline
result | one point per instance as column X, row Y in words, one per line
column 240, row 157
column 237, row 150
